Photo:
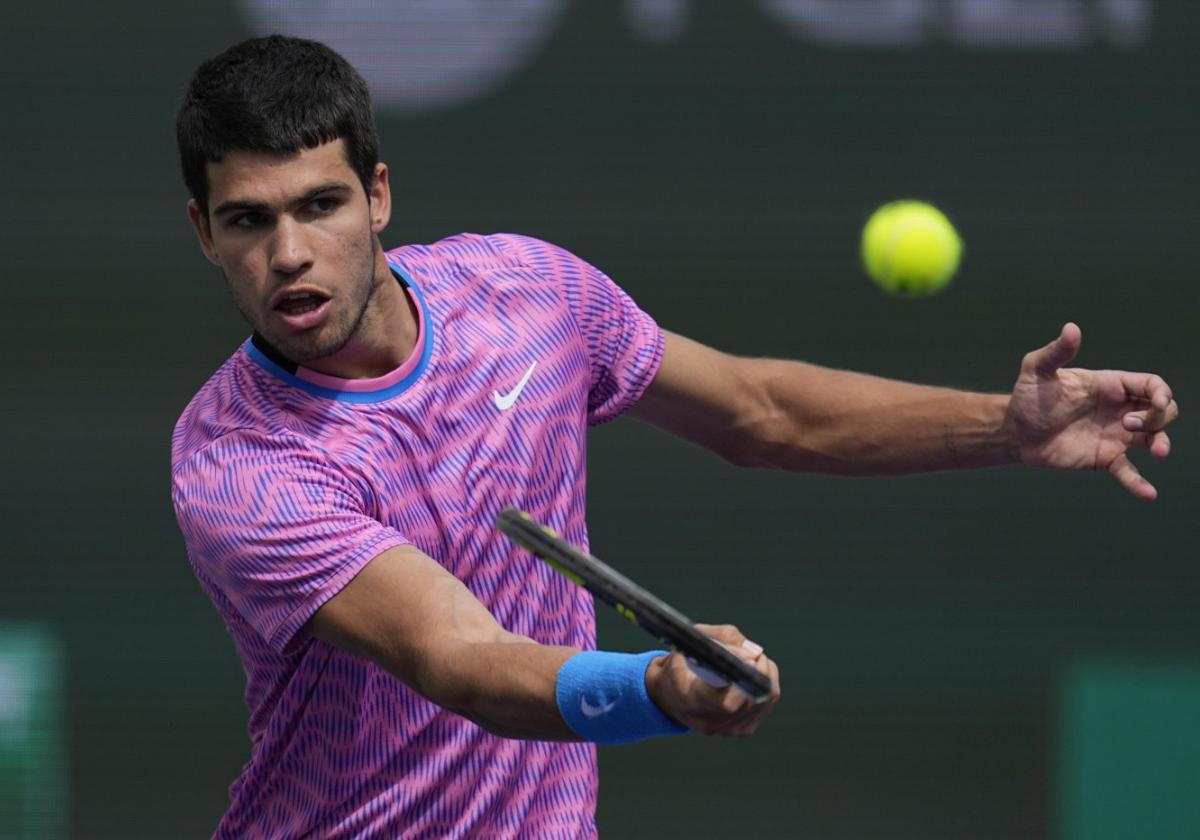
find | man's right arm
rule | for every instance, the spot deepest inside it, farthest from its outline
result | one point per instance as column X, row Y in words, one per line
column 413, row 618
column 276, row 556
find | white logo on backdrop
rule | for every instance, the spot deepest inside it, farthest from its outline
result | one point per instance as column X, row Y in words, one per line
column 15, row 699
column 421, row 55
column 1002, row 23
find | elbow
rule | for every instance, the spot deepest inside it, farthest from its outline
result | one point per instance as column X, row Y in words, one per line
column 745, row 453
column 758, row 432
column 447, row 674
column 457, row 693
column 762, row 442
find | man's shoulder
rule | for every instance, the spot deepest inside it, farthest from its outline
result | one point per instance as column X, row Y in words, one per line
column 232, row 402
column 475, row 253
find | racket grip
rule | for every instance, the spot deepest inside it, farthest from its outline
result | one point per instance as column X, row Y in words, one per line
column 715, row 680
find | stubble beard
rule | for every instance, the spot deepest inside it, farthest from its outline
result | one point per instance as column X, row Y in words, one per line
column 338, row 330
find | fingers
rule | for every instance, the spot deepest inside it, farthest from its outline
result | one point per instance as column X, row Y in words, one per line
column 733, row 639
column 726, row 710
column 744, row 713
column 1127, row 474
column 1046, row 360
column 1149, row 388
column 1158, row 443
column 747, row 722
column 698, row 705
column 726, row 633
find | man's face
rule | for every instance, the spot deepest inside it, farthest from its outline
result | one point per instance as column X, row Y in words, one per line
column 295, row 236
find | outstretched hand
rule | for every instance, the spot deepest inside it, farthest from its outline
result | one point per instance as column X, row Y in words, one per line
column 1072, row 418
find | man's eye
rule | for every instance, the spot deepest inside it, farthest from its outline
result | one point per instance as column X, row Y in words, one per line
column 248, row 220
column 324, row 205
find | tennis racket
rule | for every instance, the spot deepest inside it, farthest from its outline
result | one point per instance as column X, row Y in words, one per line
column 711, row 660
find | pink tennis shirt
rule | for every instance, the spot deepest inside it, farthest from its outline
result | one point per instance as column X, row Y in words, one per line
column 287, row 482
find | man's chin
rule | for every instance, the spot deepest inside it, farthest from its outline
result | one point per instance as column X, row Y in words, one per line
column 304, row 349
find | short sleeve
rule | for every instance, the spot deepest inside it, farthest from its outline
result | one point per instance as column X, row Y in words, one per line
column 276, row 527
column 624, row 344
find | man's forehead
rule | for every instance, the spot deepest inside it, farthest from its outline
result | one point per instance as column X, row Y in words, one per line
column 250, row 172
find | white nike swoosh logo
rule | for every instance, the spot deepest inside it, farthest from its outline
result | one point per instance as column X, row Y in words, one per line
column 505, row 401
column 591, row 711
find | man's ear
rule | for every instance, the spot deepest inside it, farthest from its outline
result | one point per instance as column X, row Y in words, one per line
column 380, row 199
column 199, row 221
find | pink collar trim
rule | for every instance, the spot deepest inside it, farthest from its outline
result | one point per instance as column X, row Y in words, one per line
column 336, row 383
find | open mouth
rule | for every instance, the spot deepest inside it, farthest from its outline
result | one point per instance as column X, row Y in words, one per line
column 297, row 303
column 303, row 309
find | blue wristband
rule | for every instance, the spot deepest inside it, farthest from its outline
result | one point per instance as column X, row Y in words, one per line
column 602, row 697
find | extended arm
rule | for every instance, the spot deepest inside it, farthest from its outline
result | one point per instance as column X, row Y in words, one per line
column 412, row 617
column 796, row 416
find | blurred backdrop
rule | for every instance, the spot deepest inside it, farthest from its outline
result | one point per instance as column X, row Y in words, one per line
column 960, row 652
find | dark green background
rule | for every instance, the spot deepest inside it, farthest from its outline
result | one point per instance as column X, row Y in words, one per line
column 923, row 625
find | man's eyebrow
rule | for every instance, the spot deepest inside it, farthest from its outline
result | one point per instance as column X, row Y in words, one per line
column 227, row 207
column 328, row 187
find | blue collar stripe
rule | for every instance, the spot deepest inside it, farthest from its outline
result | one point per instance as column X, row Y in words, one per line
column 382, row 394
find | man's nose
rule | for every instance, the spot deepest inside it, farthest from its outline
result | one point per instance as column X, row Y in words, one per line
column 290, row 251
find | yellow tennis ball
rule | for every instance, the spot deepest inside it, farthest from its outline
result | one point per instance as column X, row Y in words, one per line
column 910, row 248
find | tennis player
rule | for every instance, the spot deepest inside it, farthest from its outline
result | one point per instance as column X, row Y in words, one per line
column 409, row 672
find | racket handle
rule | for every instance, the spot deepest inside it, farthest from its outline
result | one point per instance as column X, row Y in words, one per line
column 715, row 680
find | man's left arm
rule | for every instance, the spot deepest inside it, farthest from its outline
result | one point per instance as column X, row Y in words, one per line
column 798, row 416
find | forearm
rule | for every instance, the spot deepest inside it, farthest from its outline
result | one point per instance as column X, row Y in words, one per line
column 410, row 616
column 407, row 614
column 505, row 686
column 798, row 416
column 811, row 418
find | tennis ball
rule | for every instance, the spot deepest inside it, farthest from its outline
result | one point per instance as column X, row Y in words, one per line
column 910, row 248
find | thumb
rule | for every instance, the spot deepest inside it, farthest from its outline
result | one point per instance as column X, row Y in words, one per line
column 1046, row 360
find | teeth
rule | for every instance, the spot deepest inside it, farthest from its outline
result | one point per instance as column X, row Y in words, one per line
column 297, row 303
